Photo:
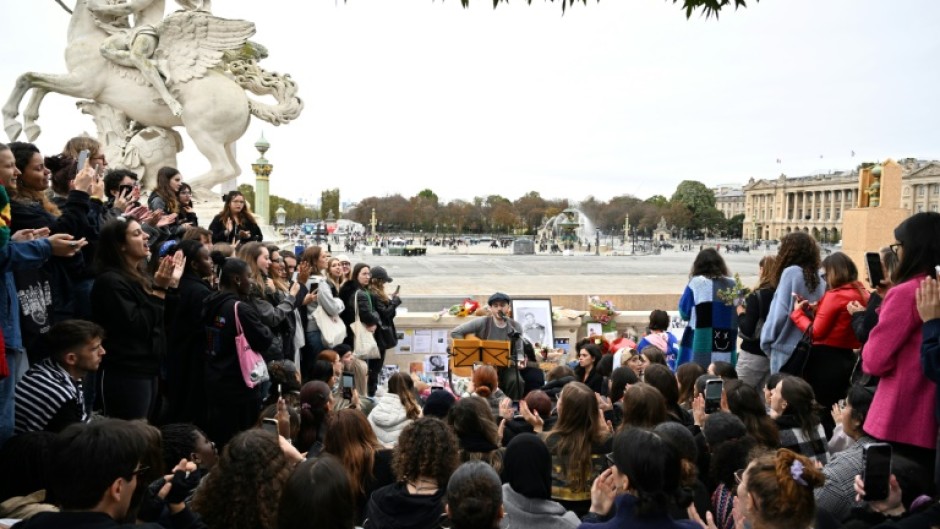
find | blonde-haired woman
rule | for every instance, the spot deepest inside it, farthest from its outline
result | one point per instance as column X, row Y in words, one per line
column 753, row 364
column 324, row 288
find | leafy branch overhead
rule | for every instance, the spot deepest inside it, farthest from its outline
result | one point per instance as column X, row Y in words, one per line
column 708, row 7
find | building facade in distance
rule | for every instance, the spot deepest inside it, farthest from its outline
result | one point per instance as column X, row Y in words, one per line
column 814, row 204
column 729, row 199
column 920, row 186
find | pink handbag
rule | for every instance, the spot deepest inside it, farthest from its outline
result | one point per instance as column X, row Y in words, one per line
column 254, row 369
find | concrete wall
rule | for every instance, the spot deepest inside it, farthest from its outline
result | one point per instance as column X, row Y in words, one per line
column 571, row 328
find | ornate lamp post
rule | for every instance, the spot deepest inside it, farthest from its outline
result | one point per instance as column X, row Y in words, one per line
column 262, row 168
column 281, row 215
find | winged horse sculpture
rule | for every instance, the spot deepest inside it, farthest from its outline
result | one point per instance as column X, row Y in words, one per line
column 200, row 55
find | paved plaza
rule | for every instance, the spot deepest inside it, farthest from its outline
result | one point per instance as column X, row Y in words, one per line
column 482, row 271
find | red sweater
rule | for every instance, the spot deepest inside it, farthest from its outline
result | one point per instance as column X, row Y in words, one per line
column 832, row 325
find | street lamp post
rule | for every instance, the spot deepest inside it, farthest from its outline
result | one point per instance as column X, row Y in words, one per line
column 597, row 241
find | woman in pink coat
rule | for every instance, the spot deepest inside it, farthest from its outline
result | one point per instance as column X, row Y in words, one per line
column 903, row 410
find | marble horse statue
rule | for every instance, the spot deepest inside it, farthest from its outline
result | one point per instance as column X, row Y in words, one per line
column 207, row 64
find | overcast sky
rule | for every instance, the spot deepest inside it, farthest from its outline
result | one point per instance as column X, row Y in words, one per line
column 616, row 97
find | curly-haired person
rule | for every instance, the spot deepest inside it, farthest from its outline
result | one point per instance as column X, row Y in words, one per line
column 795, row 277
column 243, row 491
column 423, row 462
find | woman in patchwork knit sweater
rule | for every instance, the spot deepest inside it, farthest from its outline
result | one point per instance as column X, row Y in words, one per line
column 712, row 334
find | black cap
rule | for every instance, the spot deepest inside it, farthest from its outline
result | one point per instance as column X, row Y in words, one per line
column 499, row 296
column 379, row 273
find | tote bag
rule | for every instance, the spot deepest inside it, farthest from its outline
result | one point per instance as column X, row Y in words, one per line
column 332, row 329
column 254, row 370
column 364, row 346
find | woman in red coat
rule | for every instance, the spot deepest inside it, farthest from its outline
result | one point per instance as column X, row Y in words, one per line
column 832, row 358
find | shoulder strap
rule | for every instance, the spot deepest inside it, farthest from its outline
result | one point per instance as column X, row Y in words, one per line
column 238, row 323
column 486, row 328
column 356, row 304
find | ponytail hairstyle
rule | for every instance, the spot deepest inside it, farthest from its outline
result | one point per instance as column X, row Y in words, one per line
column 781, row 484
column 652, row 467
column 801, row 402
column 315, row 397
column 485, row 381
column 401, row 384
column 63, row 173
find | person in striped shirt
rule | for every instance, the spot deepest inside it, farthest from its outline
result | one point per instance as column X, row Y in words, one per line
column 50, row 397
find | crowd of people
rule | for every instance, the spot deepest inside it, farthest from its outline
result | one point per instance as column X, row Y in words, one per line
column 160, row 373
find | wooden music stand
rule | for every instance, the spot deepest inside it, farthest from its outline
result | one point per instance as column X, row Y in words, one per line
column 469, row 351
column 496, row 353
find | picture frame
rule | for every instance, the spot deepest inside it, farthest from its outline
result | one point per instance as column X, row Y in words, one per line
column 535, row 317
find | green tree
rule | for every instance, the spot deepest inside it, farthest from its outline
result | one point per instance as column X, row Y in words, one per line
column 329, row 203
column 658, row 201
column 294, row 212
column 735, row 226
column 694, row 195
column 428, row 195
column 248, row 191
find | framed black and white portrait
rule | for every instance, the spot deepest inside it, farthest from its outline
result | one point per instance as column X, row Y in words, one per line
column 535, row 316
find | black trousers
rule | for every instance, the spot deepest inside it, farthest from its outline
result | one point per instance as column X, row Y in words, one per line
column 375, row 367
column 126, row 396
column 829, row 372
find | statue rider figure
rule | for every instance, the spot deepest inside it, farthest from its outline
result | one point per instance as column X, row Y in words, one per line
column 134, row 47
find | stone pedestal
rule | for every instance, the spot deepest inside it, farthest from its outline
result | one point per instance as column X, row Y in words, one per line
column 870, row 228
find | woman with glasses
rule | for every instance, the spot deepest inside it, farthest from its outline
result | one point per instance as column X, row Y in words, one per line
column 186, row 215
column 838, row 494
column 901, row 412
column 235, row 223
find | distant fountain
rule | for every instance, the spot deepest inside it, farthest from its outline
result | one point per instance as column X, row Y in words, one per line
column 569, row 229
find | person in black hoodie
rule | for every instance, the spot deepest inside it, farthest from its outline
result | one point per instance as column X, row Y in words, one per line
column 753, row 366
column 186, row 344
column 231, row 405
column 128, row 303
column 353, row 292
column 423, row 462
column 385, row 336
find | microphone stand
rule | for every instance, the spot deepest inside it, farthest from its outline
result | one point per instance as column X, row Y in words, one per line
column 513, row 335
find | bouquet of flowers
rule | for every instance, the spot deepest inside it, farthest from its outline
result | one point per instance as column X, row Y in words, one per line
column 466, row 308
column 734, row 295
column 602, row 312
